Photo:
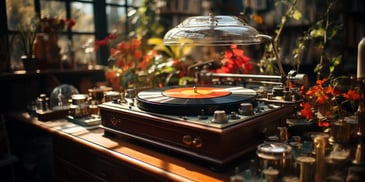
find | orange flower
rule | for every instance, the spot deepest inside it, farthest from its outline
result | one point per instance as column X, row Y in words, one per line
column 323, row 123
column 312, row 90
column 321, row 99
column 135, row 43
column 137, row 54
column 325, row 94
column 321, row 82
column 110, row 74
column 146, row 59
column 113, row 52
column 258, row 19
column 351, row 95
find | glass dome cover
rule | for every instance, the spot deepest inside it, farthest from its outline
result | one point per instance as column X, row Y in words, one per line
column 213, row 30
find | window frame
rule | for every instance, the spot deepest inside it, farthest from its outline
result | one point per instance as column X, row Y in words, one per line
column 100, row 31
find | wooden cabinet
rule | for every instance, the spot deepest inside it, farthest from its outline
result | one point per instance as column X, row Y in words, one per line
column 79, row 153
column 74, row 162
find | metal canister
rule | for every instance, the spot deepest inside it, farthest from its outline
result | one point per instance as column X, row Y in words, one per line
column 97, row 94
column 276, row 155
column 112, row 96
column 79, row 106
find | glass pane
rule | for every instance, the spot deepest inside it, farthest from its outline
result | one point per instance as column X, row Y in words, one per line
column 120, row 2
column 116, row 18
column 83, row 14
column 53, row 9
column 15, row 52
column 66, row 51
column 19, row 11
column 135, row 2
column 83, row 49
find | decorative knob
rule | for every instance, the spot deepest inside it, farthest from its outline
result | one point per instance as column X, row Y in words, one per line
column 197, row 142
column 187, row 139
column 115, row 121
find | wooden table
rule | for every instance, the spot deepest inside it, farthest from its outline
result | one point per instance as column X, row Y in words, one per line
column 83, row 153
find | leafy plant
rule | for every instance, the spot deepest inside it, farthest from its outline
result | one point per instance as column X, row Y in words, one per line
column 27, row 33
column 320, row 33
column 268, row 61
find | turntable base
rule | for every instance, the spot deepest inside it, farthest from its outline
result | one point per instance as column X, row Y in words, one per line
column 211, row 144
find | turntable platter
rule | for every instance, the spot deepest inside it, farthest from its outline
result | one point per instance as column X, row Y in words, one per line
column 194, row 100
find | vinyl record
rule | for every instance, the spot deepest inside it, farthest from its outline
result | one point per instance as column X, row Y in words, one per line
column 190, row 101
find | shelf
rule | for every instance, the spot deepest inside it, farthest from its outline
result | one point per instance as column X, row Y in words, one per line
column 24, row 74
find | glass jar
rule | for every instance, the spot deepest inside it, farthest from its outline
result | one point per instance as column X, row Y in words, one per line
column 79, row 106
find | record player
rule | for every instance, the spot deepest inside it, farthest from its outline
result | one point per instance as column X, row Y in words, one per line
column 213, row 123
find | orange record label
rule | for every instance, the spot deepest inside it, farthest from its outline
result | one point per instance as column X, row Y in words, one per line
column 196, row 92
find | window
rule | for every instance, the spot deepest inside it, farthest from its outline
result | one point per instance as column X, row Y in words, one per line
column 108, row 15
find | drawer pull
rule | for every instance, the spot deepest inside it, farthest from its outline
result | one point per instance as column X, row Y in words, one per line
column 197, row 142
column 115, row 121
column 187, row 139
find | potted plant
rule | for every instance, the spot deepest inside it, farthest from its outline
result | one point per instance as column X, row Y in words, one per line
column 27, row 34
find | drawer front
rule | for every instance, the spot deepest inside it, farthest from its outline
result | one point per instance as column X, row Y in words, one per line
column 96, row 164
column 68, row 172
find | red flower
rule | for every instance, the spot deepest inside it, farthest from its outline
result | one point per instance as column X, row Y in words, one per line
column 70, row 23
column 351, row 95
column 324, row 98
column 103, row 42
column 55, row 24
column 307, row 111
column 234, row 61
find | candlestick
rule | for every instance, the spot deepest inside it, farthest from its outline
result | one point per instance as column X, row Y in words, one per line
column 360, row 150
column 320, row 168
column 361, row 59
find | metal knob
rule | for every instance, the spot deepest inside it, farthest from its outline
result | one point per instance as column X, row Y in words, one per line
column 220, row 117
column 246, row 109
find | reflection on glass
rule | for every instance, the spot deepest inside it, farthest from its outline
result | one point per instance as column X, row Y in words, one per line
column 135, row 2
column 119, row 2
column 66, row 52
column 116, row 18
column 15, row 53
column 19, row 11
column 82, row 45
column 53, row 9
column 83, row 14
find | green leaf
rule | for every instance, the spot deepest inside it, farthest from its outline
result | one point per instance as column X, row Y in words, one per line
column 332, row 68
column 296, row 15
column 317, row 32
column 318, row 68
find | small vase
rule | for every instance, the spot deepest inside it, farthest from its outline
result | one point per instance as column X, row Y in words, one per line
column 52, row 51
